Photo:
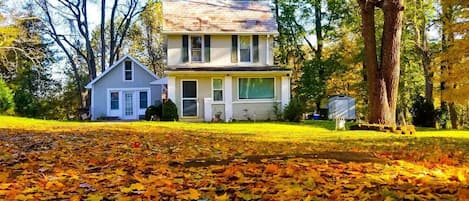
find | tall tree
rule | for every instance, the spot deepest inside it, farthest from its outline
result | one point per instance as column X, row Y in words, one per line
column 454, row 57
column 147, row 31
column 382, row 71
column 103, row 35
column 119, row 29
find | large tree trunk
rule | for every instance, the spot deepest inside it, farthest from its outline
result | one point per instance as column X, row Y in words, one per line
column 383, row 78
column 453, row 114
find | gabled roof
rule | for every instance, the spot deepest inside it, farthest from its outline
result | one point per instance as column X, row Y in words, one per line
column 218, row 17
column 117, row 63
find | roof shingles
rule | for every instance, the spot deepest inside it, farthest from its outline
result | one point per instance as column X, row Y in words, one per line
column 218, row 16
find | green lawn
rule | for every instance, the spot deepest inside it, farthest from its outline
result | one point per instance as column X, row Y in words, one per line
column 226, row 161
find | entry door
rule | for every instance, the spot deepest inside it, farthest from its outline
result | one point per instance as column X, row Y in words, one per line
column 189, row 99
column 129, row 105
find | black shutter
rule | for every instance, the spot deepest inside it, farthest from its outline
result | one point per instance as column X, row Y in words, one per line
column 185, row 48
column 234, row 49
column 207, row 48
column 255, row 46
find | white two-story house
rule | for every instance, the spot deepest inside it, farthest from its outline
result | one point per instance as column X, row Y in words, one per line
column 220, row 60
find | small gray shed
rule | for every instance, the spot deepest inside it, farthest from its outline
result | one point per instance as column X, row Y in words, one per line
column 341, row 106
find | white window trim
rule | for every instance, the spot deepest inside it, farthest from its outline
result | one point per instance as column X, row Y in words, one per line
column 222, row 90
column 148, row 99
column 196, row 98
column 118, row 100
column 238, row 100
column 121, row 100
column 239, row 50
column 132, row 71
column 202, row 49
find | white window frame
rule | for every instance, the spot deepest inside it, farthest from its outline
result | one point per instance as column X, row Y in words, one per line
column 202, row 49
column 196, row 98
column 239, row 50
column 124, row 71
column 222, row 90
column 148, row 99
column 118, row 100
column 256, row 100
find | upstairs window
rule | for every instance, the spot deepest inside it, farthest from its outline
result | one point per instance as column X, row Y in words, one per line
column 196, row 48
column 128, row 71
column 245, row 49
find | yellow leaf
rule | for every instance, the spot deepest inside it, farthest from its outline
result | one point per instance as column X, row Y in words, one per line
column 137, row 186
column 389, row 199
column 4, row 185
column 223, row 197
column 54, row 185
column 94, row 197
column 193, row 194
column 126, row 190
column 24, row 197
column 121, row 172
column 4, row 177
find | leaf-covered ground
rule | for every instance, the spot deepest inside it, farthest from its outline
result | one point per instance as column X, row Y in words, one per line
column 50, row 160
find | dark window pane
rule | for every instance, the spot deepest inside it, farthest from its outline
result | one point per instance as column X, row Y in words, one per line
column 217, row 95
column 189, row 108
column 245, row 55
column 128, row 75
column 143, row 99
column 189, row 89
column 128, row 65
column 114, row 100
column 196, row 55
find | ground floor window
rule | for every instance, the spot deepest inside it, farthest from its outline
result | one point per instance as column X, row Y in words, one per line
column 114, row 100
column 256, row 88
column 217, row 86
column 143, row 99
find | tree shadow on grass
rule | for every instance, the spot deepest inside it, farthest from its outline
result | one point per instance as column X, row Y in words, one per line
column 346, row 157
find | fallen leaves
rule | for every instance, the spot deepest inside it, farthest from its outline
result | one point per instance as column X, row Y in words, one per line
column 123, row 163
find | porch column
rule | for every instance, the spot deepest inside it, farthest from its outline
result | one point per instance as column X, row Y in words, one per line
column 172, row 88
column 228, row 98
column 285, row 99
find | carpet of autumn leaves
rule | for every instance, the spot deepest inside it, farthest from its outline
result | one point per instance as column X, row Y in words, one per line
column 41, row 160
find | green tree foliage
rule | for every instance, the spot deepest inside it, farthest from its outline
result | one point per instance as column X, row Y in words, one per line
column 6, row 99
column 315, row 75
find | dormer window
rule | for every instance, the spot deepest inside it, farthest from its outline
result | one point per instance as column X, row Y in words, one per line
column 128, row 71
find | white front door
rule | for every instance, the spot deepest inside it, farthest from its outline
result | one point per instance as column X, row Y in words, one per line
column 129, row 105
